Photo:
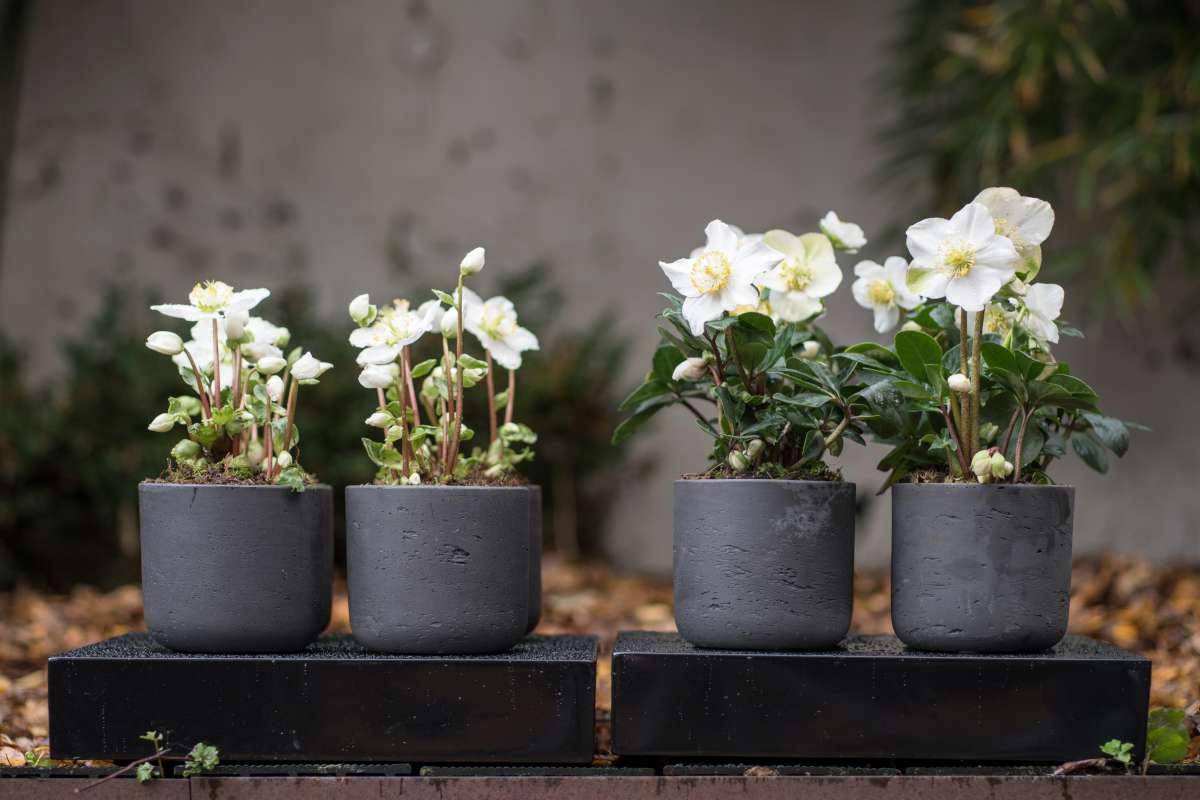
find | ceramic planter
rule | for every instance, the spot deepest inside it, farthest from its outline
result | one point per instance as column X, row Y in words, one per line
column 236, row 569
column 438, row 569
column 764, row 564
column 981, row 568
column 535, row 558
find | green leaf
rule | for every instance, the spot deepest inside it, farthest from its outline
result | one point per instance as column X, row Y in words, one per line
column 1167, row 736
column 424, row 368
column 202, row 758
column 648, row 390
column 445, row 297
column 814, row 446
column 381, row 455
column 1118, row 751
column 1111, row 432
column 757, row 322
column 666, row 358
column 145, row 772
column 470, row 362
column 1089, row 449
column 639, row 418
column 917, row 351
column 293, row 478
column 804, row 399
column 998, row 357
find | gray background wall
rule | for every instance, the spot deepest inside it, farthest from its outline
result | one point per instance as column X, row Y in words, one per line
column 364, row 146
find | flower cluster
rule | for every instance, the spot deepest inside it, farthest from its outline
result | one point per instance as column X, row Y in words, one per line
column 423, row 429
column 971, row 386
column 242, row 416
column 741, row 337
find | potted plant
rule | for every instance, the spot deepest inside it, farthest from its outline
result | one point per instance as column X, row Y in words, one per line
column 237, row 539
column 763, row 539
column 439, row 548
column 976, row 408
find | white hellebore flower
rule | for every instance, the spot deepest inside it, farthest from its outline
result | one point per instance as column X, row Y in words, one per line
column 377, row 376
column 962, row 259
column 690, row 369
column 268, row 333
column 743, row 239
column 844, row 235
column 165, row 342
column 449, row 323
column 283, row 460
column 494, row 324
column 270, row 365
column 807, row 273
column 210, row 299
column 812, row 349
column 396, row 328
column 1043, row 304
column 162, row 423
column 380, row 419
column 236, row 320
column 720, row 278
column 472, row 262
column 275, row 388
column 959, row 383
column 360, row 309
column 309, row 368
column 1025, row 221
column 884, row 290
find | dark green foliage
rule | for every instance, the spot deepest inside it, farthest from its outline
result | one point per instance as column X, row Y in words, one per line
column 1094, row 106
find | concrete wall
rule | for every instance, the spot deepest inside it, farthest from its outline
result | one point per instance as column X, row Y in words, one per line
column 364, row 146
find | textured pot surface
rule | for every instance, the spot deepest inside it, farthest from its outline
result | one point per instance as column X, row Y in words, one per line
column 764, row 564
column 535, row 558
column 236, row 569
column 438, row 569
column 983, row 569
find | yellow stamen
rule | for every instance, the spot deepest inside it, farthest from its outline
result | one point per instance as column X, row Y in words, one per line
column 958, row 259
column 796, row 274
column 710, row 272
column 881, row 293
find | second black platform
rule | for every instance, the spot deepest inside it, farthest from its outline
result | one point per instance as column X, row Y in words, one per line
column 872, row 699
column 335, row 701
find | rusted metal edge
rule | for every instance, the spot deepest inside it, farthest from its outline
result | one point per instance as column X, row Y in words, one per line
column 628, row 788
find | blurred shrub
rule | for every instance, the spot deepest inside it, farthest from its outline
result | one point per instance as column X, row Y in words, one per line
column 1094, row 106
column 73, row 451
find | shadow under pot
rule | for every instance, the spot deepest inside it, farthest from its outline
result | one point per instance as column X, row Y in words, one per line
column 981, row 568
column 438, row 569
column 764, row 564
column 535, row 558
column 236, row 569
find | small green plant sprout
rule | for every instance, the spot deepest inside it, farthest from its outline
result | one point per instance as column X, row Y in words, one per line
column 202, row 758
column 740, row 351
column 241, row 421
column 147, row 771
column 971, row 390
column 1168, row 735
column 1121, row 752
column 424, row 430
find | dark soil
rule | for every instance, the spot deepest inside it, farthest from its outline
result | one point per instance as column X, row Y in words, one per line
column 215, row 475
column 775, row 472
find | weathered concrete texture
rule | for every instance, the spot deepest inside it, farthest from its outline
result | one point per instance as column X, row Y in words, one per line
column 764, row 564
column 605, row 788
column 982, row 569
column 236, row 569
column 438, row 569
column 535, row 558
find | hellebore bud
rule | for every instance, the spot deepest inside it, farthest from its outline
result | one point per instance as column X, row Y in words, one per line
column 690, row 369
column 959, row 383
column 165, row 342
column 737, row 461
column 472, row 262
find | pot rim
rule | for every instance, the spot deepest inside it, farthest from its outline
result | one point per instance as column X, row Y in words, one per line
column 361, row 486
column 987, row 486
column 155, row 484
column 760, row 481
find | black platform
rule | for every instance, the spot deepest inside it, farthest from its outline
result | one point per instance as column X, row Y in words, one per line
column 333, row 702
column 873, row 700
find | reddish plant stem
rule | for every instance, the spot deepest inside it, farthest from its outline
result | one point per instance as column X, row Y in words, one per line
column 130, row 767
column 491, row 398
column 456, row 420
column 216, row 363
column 205, row 404
column 512, row 396
column 406, row 361
column 291, row 413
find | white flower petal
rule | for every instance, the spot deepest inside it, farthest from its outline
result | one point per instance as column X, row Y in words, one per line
column 1045, row 300
column 826, row 278
column 924, row 240
column 248, row 299
column 886, row 318
column 679, row 273
column 364, row 337
column 972, row 291
column 722, row 237
column 699, row 310
column 869, row 269
column 379, row 354
column 522, row 340
column 505, row 356
column 861, row 290
column 997, row 252
column 973, row 222
column 178, row 311
column 753, row 260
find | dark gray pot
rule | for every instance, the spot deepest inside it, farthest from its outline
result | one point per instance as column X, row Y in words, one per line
column 535, row 558
column 438, row 569
column 236, row 569
column 983, row 569
column 764, row 564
